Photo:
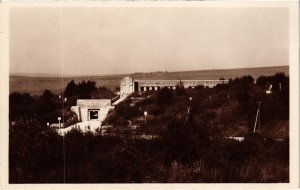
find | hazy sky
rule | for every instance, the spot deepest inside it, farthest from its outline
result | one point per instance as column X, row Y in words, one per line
column 87, row 41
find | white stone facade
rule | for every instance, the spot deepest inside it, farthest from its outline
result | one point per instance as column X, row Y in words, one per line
column 92, row 109
column 128, row 85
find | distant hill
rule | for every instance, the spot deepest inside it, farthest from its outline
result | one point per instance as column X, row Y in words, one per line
column 213, row 74
column 35, row 84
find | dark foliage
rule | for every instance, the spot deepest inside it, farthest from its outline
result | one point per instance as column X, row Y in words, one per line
column 180, row 90
column 24, row 105
column 71, row 89
column 164, row 96
column 243, row 97
column 31, row 146
column 184, row 140
column 187, row 150
column 45, row 104
column 20, row 105
column 128, row 112
column 279, row 80
column 222, row 87
column 103, row 159
column 264, row 81
column 83, row 89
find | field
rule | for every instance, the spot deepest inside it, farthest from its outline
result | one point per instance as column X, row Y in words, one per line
column 36, row 85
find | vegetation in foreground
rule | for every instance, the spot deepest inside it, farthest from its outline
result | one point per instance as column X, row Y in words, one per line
column 191, row 148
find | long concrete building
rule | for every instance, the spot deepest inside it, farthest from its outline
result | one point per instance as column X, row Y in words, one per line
column 129, row 85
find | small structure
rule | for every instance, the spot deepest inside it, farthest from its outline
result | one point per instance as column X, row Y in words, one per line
column 92, row 109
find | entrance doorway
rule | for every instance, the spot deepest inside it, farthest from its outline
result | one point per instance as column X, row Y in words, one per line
column 93, row 114
column 136, row 86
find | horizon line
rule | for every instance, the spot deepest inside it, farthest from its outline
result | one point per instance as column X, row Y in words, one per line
column 137, row 72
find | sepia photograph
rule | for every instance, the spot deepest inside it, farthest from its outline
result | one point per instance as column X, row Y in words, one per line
column 149, row 95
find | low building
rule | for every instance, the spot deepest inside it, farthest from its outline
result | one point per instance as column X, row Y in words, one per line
column 129, row 85
column 92, row 109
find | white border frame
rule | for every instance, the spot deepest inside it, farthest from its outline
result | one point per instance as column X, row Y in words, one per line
column 294, row 93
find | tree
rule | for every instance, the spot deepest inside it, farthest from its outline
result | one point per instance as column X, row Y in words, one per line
column 70, row 89
column 47, row 95
column 263, row 81
column 248, row 79
column 180, row 90
column 20, row 105
column 45, row 103
column 83, row 89
column 279, row 79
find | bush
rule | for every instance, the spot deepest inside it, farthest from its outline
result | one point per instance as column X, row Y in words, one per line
column 45, row 104
column 184, row 140
column 222, row 87
column 128, row 112
column 243, row 97
column 27, row 160
column 244, row 80
column 156, row 110
column 180, row 90
column 199, row 87
column 20, row 105
column 164, row 96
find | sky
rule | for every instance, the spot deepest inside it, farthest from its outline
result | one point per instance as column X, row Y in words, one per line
column 117, row 40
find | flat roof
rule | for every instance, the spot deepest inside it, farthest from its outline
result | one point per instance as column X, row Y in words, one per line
column 93, row 103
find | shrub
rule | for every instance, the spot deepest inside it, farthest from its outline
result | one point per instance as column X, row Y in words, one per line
column 20, row 105
column 180, row 90
column 199, row 87
column 128, row 112
column 164, row 96
column 243, row 97
column 156, row 110
column 222, row 87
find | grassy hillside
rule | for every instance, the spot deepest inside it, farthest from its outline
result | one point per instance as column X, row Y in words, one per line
column 191, row 142
column 214, row 74
column 36, row 85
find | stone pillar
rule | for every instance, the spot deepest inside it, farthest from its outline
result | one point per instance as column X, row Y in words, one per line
column 150, row 87
column 145, row 88
column 155, row 88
